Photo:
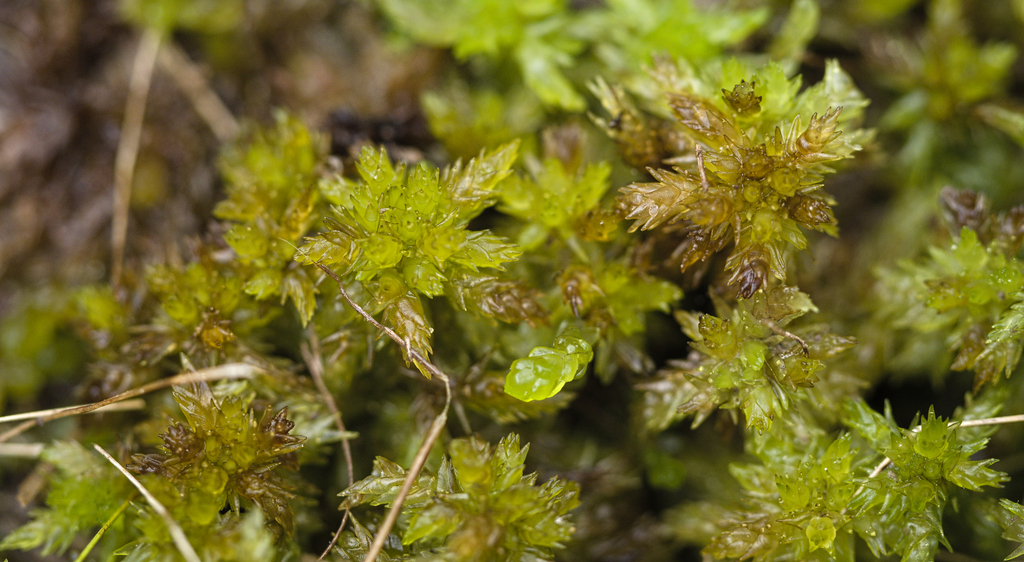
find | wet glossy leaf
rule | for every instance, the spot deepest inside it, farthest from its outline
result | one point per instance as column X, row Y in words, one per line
column 546, row 370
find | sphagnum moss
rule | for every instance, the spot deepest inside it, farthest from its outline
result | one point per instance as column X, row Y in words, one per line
column 507, row 288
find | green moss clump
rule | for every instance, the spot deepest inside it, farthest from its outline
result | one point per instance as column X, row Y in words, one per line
column 671, row 251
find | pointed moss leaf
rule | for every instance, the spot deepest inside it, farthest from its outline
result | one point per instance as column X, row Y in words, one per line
column 508, row 461
column 436, row 520
column 264, row 284
column 423, row 276
column 1011, row 519
column 297, row 286
column 383, row 485
column 919, row 541
column 485, row 250
column 471, row 186
column 471, row 461
column 972, row 475
column 546, row 370
column 329, row 248
column 405, row 314
column 248, row 242
column 932, row 439
column 1011, row 324
column 868, row 423
column 799, row 28
column 541, row 64
column 505, row 300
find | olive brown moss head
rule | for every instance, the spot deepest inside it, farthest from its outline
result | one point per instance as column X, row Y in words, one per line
column 225, row 456
column 757, row 177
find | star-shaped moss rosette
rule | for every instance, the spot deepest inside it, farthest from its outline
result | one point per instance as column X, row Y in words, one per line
column 224, row 456
column 968, row 292
column 745, row 358
column 405, row 234
column 759, row 181
column 479, row 505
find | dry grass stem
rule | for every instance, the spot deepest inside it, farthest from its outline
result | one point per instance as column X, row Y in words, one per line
column 313, row 357
column 435, row 428
column 128, row 146
column 23, row 450
column 134, row 404
column 220, row 372
column 195, row 86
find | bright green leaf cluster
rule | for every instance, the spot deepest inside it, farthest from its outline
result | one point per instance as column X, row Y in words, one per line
column 568, row 235
column 403, row 235
column 84, row 492
column 559, row 203
column 610, row 295
column 798, row 506
column 811, row 494
column 546, row 38
column 745, row 359
column 478, row 506
column 970, row 292
column 272, row 201
column 204, row 299
column 901, row 510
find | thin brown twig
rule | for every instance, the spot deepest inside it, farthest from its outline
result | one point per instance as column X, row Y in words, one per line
column 220, row 372
column 785, row 333
column 177, row 535
column 314, row 360
column 119, row 407
column 412, row 352
column 128, row 146
column 460, row 413
column 432, row 434
column 195, row 86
